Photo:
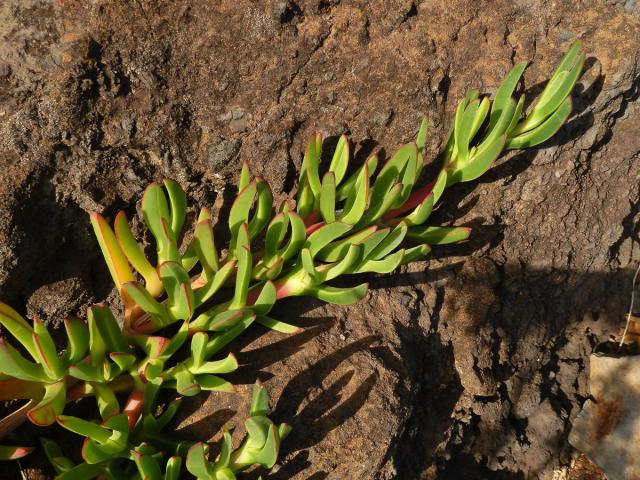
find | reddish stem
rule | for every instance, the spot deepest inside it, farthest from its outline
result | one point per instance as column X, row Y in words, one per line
column 312, row 218
column 133, row 407
column 312, row 228
column 413, row 201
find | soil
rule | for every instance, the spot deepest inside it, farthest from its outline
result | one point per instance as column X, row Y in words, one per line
column 471, row 364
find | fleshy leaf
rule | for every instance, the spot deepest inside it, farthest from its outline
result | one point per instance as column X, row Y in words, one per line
column 328, row 198
column 544, row 131
column 340, row 296
column 178, row 204
column 439, row 235
column 51, row 405
column 15, row 365
column 277, row 325
column 340, row 160
column 18, row 327
column 111, row 251
column 135, row 255
column 46, row 350
column 78, row 336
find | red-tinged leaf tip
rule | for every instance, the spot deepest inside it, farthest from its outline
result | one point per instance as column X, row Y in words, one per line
column 282, row 290
column 151, row 185
column 84, row 446
column 21, row 452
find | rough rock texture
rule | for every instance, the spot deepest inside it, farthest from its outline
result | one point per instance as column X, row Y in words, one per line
column 608, row 429
column 469, row 365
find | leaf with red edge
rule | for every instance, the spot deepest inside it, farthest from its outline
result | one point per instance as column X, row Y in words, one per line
column 111, row 251
column 14, row 453
column 51, row 405
column 136, row 256
column 18, row 327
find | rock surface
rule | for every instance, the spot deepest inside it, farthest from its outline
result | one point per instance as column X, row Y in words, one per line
column 472, row 364
column 608, row 428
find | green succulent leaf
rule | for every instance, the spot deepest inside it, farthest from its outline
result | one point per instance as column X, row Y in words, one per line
column 51, row 405
column 325, row 235
column 178, row 205
column 197, row 463
column 479, row 162
column 221, row 276
column 135, row 255
column 205, row 248
column 337, row 250
column 504, row 93
column 264, row 209
column 415, row 253
column 311, row 162
column 277, row 325
column 346, row 187
column 219, row 341
column 15, row 365
column 346, row 265
column 82, row 471
column 177, row 283
column 266, row 299
column 108, row 329
column 516, row 115
column 85, row 428
column 198, row 349
column 173, row 468
column 19, row 328
column 46, row 351
column 107, row 402
column 328, row 198
column 245, row 176
column 297, row 238
column 224, row 320
column 111, row 251
column 385, row 265
column 545, row 130
column 243, row 277
column 357, row 201
column 53, row 452
column 227, row 365
column 156, row 310
column 339, row 296
column 214, row 383
column 148, row 467
column 439, row 235
column 305, row 199
column 340, row 160
column 155, row 209
column 421, row 139
column 78, row 339
column 259, row 401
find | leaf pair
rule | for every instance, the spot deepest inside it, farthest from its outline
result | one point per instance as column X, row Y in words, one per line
column 260, row 447
column 43, row 378
column 553, row 107
column 198, row 373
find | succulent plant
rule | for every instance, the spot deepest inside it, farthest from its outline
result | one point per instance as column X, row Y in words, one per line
column 186, row 304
